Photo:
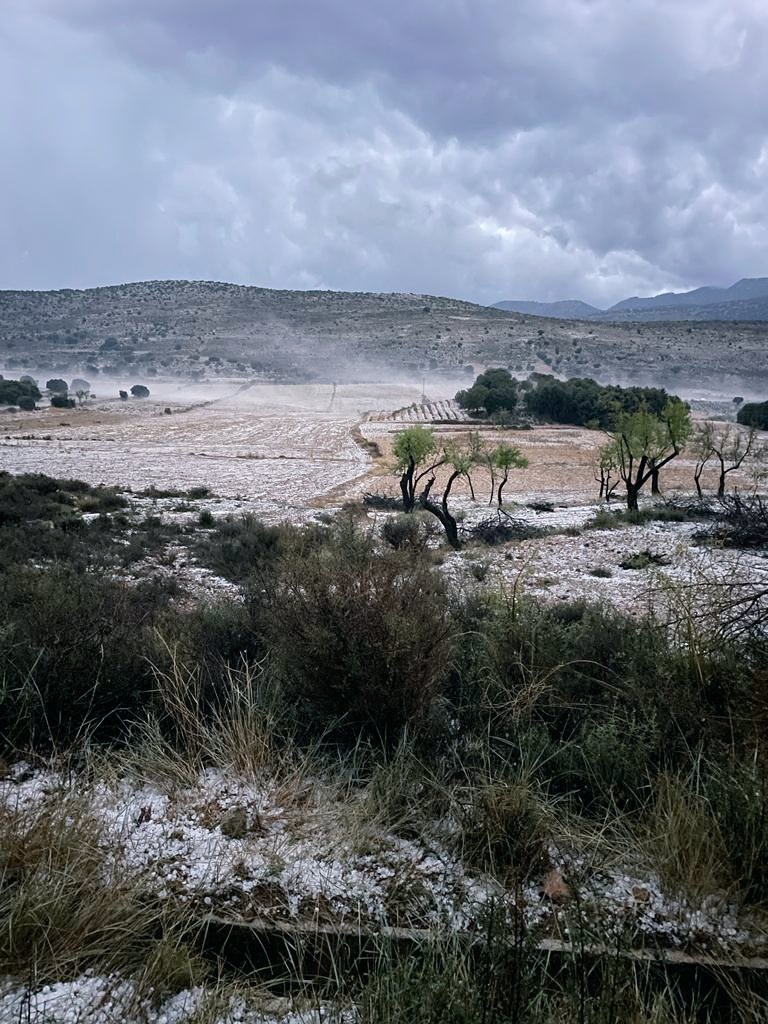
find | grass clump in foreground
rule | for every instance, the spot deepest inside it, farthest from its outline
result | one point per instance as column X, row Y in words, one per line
column 502, row 729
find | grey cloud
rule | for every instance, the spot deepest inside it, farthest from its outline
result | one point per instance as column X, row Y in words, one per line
column 569, row 148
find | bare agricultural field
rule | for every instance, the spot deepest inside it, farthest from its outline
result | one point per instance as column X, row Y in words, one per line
column 283, row 452
column 281, row 447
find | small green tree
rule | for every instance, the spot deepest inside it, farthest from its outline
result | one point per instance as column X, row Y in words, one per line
column 418, row 458
column 414, row 447
column 460, row 462
column 505, row 458
column 57, row 386
column 643, row 444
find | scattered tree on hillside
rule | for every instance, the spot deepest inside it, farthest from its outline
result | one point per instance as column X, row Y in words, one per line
column 123, row 396
column 643, row 444
column 57, row 386
column 140, row 391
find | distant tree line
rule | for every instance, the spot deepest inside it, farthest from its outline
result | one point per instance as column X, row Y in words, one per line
column 580, row 400
column 754, row 414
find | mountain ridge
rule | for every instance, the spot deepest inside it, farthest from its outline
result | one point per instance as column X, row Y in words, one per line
column 746, row 299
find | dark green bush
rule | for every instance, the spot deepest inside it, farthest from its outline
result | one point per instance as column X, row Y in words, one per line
column 753, row 414
column 73, row 651
column 358, row 638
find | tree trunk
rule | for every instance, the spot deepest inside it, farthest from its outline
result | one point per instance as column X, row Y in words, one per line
column 697, row 481
column 721, row 481
column 655, row 481
column 407, row 488
column 632, row 492
column 501, row 486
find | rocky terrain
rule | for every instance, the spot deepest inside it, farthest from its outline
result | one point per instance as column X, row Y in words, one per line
column 199, row 330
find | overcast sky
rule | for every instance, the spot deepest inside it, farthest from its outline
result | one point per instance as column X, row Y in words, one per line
column 484, row 149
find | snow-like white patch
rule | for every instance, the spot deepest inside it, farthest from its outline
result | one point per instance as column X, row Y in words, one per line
column 109, row 999
column 233, row 847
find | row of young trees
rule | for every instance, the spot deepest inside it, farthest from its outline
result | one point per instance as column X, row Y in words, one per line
column 419, row 457
column 640, row 445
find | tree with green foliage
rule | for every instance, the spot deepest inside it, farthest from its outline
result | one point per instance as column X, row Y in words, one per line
column 584, row 402
column 414, row 447
column 753, row 414
column 418, row 459
column 643, row 444
column 57, row 386
column 12, row 392
column 506, row 457
column 493, row 391
column 460, row 462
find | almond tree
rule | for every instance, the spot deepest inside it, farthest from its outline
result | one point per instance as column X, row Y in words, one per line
column 643, row 444
column 460, row 463
column 729, row 446
column 418, row 459
column 506, row 457
column 417, row 456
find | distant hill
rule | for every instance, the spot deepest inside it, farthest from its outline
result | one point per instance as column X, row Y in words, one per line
column 745, row 300
column 199, row 330
column 566, row 309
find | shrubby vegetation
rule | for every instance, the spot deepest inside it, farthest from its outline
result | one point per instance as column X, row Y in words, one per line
column 14, row 392
column 522, row 721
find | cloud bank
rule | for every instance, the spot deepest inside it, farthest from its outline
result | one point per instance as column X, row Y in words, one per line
column 543, row 149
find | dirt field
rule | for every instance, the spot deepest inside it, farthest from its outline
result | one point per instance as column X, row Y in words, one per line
column 288, row 451
column 278, row 447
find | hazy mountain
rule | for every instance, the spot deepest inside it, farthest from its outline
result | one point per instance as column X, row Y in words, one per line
column 566, row 309
column 745, row 300
column 746, row 288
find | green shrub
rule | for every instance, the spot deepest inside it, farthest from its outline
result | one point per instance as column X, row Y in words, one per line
column 359, row 639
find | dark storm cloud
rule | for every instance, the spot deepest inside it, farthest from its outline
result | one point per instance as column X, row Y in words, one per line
column 484, row 149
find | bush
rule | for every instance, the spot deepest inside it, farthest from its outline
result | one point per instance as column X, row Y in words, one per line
column 412, row 532
column 360, row 641
column 62, row 402
column 140, row 391
column 73, row 649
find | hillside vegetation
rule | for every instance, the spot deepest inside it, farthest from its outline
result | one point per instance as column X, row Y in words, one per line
column 204, row 329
